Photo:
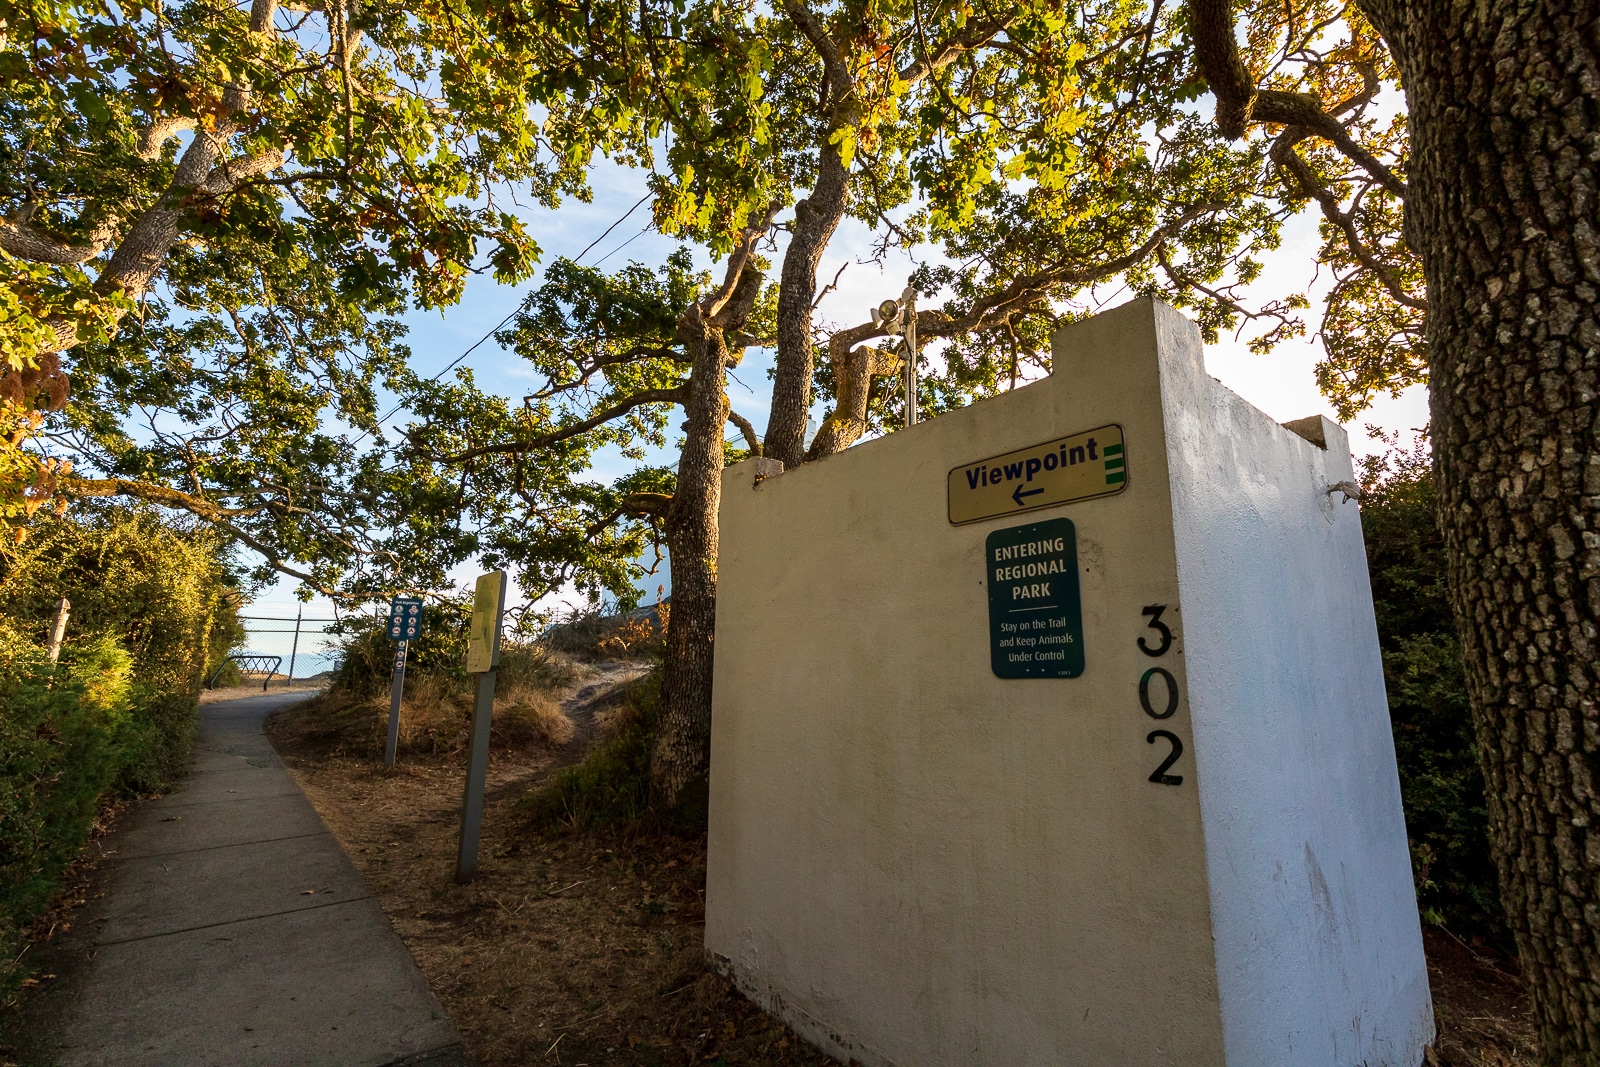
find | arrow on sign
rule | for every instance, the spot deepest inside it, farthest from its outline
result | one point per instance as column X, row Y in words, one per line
column 1019, row 494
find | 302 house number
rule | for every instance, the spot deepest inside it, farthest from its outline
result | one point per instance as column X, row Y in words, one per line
column 1158, row 694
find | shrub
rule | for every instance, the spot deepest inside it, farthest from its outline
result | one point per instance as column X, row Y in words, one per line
column 366, row 655
column 1435, row 743
column 352, row 718
column 612, row 785
column 163, row 591
column 117, row 715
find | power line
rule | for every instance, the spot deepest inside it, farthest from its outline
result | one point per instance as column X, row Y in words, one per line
column 522, row 304
column 623, row 245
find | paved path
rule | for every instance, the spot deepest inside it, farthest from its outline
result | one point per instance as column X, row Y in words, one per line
column 234, row 930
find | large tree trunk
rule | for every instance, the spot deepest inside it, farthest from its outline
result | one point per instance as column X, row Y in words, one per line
column 815, row 219
column 683, row 737
column 1504, row 101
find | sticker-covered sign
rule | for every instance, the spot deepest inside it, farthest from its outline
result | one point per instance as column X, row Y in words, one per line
column 483, row 636
column 1035, row 614
column 1061, row 471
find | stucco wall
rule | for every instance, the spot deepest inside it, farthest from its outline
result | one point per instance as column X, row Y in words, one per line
column 1319, row 947
column 918, row 863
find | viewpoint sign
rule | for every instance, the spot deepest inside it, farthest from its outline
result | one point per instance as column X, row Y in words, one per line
column 1035, row 614
column 1079, row 467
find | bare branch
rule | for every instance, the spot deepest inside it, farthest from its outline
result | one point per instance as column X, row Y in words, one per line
column 748, row 430
column 1284, row 154
column 675, row 395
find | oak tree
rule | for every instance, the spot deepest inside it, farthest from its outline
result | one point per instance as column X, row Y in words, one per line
column 1463, row 235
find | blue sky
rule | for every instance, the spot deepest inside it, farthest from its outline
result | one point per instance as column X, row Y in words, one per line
column 1281, row 384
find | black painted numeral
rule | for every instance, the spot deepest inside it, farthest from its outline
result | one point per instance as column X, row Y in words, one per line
column 1172, row 693
column 1154, row 611
column 1160, row 775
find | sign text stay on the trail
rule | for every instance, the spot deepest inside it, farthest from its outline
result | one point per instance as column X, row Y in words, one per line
column 1035, row 614
column 1079, row 467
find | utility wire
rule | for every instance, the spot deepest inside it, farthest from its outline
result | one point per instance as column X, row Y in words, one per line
column 524, row 303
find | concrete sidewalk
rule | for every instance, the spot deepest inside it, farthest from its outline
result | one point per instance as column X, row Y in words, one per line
column 234, row 930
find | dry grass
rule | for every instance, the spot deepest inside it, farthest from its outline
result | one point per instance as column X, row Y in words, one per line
column 1480, row 1004
column 529, row 715
column 568, row 948
column 435, row 719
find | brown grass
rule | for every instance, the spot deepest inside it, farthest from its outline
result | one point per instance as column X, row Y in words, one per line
column 529, row 715
column 567, row 949
column 435, row 720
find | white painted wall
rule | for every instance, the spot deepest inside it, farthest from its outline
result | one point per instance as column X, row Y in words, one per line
column 1319, row 947
column 917, row 863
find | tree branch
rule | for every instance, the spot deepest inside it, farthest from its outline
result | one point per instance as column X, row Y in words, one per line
column 1240, row 102
column 232, row 173
column 652, row 504
column 974, row 35
column 34, row 245
column 814, row 32
column 158, row 132
column 747, row 429
column 675, row 395
column 1284, row 154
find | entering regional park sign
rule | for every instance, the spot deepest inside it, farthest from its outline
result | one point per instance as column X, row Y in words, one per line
column 1072, row 468
column 1035, row 614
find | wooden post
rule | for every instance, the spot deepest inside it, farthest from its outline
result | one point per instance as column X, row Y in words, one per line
column 58, row 632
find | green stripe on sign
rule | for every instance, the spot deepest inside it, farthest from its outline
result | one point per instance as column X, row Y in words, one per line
column 1116, row 478
column 1114, row 464
column 1112, row 450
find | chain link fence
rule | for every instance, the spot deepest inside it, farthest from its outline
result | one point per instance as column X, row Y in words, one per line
column 301, row 642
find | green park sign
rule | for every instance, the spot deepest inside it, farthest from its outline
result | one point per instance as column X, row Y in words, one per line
column 1035, row 614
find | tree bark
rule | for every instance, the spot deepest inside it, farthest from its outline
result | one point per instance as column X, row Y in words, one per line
column 815, row 219
column 1504, row 99
column 682, row 751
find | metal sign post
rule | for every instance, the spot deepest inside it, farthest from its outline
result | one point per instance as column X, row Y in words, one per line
column 405, row 623
column 483, row 656
column 901, row 317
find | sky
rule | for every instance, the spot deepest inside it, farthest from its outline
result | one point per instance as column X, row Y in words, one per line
column 1282, row 384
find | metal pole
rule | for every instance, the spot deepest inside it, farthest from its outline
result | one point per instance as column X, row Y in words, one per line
column 477, row 773
column 483, row 657
column 58, row 632
column 294, row 648
column 395, row 690
column 908, row 317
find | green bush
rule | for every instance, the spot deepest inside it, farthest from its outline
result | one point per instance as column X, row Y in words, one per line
column 1435, row 743
column 366, row 655
column 66, row 736
column 612, row 785
column 151, row 605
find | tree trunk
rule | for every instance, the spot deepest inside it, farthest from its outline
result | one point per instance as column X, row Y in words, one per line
column 815, row 219
column 1504, row 101
column 683, row 737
